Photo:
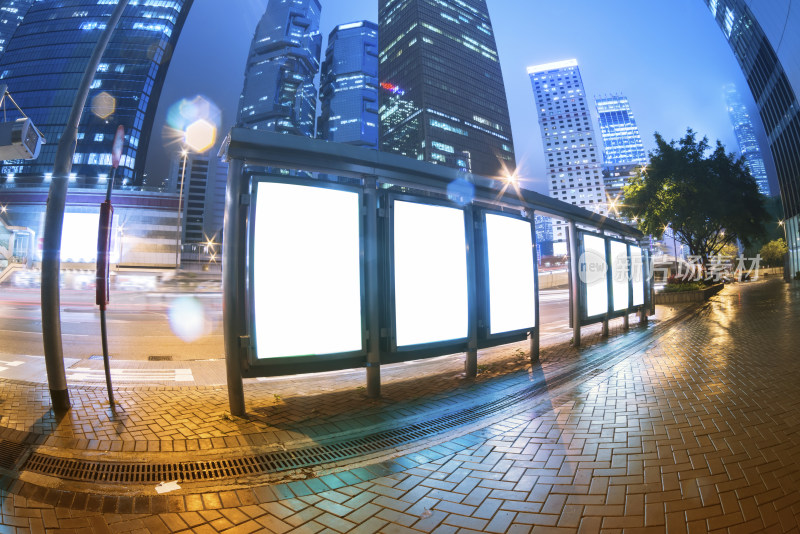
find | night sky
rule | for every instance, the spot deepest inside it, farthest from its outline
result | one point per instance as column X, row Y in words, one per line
column 669, row 58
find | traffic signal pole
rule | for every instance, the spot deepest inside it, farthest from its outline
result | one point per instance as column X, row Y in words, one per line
column 54, row 223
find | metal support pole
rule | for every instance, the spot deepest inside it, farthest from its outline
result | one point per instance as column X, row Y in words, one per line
column 647, row 273
column 234, row 252
column 103, row 325
column 54, row 225
column 608, row 284
column 651, row 286
column 372, row 272
column 471, row 361
column 534, row 346
column 626, row 322
column 106, row 363
column 574, row 265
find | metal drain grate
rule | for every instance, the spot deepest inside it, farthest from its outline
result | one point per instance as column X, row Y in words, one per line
column 10, row 453
column 159, row 358
column 272, row 462
column 275, row 462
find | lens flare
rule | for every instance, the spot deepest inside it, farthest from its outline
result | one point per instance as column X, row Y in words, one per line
column 200, row 135
column 190, row 119
column 461, row 192
column 187, row 318
column 104, row 105
column 186, row 112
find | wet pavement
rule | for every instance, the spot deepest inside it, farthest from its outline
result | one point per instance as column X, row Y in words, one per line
column 687, row 425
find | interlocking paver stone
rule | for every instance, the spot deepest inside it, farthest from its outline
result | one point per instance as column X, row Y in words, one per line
column 690, row 429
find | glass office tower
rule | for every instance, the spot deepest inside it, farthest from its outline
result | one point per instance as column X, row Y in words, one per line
column 765, row 38
column 279, row 93
column 623, row 149
column 746, row 137
column 443, row 99
column 622, row 142
column 572, row 158
column 43, row 64
column 349, row 86
column 11, row 14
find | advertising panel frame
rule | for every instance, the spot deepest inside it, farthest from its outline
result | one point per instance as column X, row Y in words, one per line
column 612, row 312
column 585, row 318
column 392, row 353
column 299, row 364
column 485, row 337
column 644, row 282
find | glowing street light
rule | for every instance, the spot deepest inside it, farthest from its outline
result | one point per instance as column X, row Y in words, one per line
column 200, row 135
column 785, row 237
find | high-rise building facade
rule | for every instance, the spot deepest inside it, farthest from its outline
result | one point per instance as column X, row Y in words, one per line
column 615, row 177
column 622, row 142
column 43, row 64
column 195, row 189
column 12, row 12
column 623, row 149
column 443, row 97
column 279, row 93
column 746, row 137
column 204, row 178
column 544, row 236
column 571, row 155
column 765, row 38
column 349, row 86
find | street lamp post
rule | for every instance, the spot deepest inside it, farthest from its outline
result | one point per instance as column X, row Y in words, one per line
column 198, row 136
column 674, row 247
column 178, row 215
column 786, row 270
column 54, row 225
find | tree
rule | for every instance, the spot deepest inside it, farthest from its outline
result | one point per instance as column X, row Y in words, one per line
column 709, row 201
column 773, row 252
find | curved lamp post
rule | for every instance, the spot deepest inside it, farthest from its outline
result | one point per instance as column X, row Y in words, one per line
column 198, row 137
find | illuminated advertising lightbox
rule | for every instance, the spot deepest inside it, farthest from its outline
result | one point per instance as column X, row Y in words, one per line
column 79, row 237
column 306, row 271
column 430, row 274
column 637, row 275
column 619, row 275
column 593, row 272
column 512, row 289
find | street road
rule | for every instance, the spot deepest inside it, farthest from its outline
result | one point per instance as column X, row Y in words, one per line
column 139, row 324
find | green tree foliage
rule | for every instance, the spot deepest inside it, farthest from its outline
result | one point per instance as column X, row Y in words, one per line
column 708, row 201
column 773, row 252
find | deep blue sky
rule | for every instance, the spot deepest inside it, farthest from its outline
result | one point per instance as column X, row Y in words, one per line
column 669, row 58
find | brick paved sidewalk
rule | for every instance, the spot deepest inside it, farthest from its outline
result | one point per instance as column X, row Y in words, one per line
column 696, row 431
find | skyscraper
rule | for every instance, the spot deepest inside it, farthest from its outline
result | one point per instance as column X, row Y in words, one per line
column 746, row 137
column 623, row 149
column 765, row 37
column 622, row 142
column 42, row 66
column 279, row 94
column 11, row 14
column 204, row 183
column 444, row 100
column 572, row 158
column 349, row 86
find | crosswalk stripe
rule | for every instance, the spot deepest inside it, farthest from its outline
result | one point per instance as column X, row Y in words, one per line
column 145, row 375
